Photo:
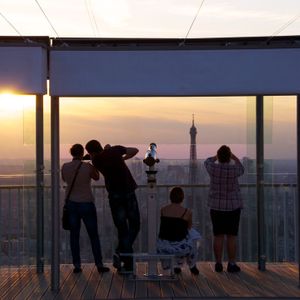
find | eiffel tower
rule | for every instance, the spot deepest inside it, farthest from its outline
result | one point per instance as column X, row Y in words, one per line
column 193, row 155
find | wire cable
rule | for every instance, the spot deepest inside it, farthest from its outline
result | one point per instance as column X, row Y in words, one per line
column 283, row 27
column 95, row 22
column 11, row 25
column 91, row 17
column 192, row 24
column 48, row 20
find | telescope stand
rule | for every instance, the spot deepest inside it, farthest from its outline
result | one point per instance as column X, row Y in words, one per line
column 152, row 258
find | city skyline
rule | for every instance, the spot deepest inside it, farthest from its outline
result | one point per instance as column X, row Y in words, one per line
column 165, row 121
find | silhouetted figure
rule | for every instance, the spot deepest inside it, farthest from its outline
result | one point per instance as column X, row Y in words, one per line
column 81, row 206
column 174, row 236
column 121, row 187
column 225, row 204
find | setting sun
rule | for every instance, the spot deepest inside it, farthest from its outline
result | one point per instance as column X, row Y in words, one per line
column 10, row 103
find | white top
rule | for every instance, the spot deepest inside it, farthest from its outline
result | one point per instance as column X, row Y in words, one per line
column 81, row 191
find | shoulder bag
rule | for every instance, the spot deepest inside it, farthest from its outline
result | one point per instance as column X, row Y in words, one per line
column 65, row 216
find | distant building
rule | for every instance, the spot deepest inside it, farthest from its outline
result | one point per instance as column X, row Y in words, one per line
column 193, row 154
column 193, row 170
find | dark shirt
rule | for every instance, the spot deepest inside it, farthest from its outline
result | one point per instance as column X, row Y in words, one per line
column 116, row 173
column 173, row 229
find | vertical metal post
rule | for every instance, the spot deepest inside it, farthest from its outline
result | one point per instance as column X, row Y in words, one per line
column 152, row 218
column 260, row 182
column 39, row 132
column 298, row 182
column 55, row 175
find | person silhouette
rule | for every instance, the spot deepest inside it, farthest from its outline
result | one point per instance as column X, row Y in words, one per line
column 174, row 237
column 121, row 187
column 80, row 205
column 225, row 202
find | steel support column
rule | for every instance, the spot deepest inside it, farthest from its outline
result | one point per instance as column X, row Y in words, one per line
column 39, row 132
column 298, row 184
column 260, row 182
column 55, row 188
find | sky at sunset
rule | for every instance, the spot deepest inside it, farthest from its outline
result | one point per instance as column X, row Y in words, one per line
column 139, row 121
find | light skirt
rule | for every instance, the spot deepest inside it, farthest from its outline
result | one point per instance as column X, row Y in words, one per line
column 185, row 249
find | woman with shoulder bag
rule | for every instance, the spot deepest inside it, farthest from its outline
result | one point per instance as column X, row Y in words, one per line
column 80, row 206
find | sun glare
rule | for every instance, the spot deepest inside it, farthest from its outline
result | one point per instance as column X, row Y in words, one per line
column 10, row 103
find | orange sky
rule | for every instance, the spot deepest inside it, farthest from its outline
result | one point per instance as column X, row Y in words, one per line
column 166, row 121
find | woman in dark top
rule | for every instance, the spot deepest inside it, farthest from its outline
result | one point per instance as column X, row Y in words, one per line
column 174, row 237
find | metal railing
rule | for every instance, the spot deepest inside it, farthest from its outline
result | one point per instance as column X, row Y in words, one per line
column 18, row 223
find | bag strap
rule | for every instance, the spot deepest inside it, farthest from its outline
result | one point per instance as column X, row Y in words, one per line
column 72, row 184
column 183, row 213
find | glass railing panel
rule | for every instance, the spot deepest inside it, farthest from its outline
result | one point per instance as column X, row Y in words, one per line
column 18, row 238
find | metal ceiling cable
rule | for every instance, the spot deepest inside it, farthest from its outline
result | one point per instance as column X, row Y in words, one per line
column 192, row 24
column 48, row 20
column 92, row 17
column 11, row 25
column 283, row 27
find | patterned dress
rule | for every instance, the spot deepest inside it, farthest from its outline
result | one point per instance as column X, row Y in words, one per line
column 176, row 239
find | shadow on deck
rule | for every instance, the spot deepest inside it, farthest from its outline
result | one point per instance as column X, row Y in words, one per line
column 279, row 281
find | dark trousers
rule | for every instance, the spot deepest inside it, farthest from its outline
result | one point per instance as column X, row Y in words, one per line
column 126, row 216
column 85, row 211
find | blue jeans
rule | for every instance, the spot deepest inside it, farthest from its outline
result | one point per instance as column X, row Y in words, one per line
column 126, row 216
column 85, row 211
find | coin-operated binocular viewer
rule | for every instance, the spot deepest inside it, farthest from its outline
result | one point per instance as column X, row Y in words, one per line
column 150, row 160
column 151, row 257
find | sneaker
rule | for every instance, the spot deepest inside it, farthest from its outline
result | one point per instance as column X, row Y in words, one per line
column 232, row 268
column 177, row 270
column 194, row 270
column 77, row 270
column 117, row 261
column 218, row 267
column 102, row 269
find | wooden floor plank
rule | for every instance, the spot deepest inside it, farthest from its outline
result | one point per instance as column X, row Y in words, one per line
column 65, row 273
column 79, row 287
column 190, row 284
column 116, row 286
column 18, row 287
column 32, row 286
column 178, row 287
column 203, row 286
column 128, row 290
column 293, row 267
column 13, row 281
column 267, row 290
column 48, row 294
column 269, row 284
column 251, row 282
column 278, row 281
column 141, row 290
column 69, row 284
column 42, row 286
column 239, row 284
column 229, row 288
column 213, row 280
column 104, row 285
column 9, row 273
column 154, row 289
column 285, row 277
column 92, row 284
column 166, row 289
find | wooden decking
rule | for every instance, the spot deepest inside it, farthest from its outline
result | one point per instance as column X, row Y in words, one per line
column 280, row 281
